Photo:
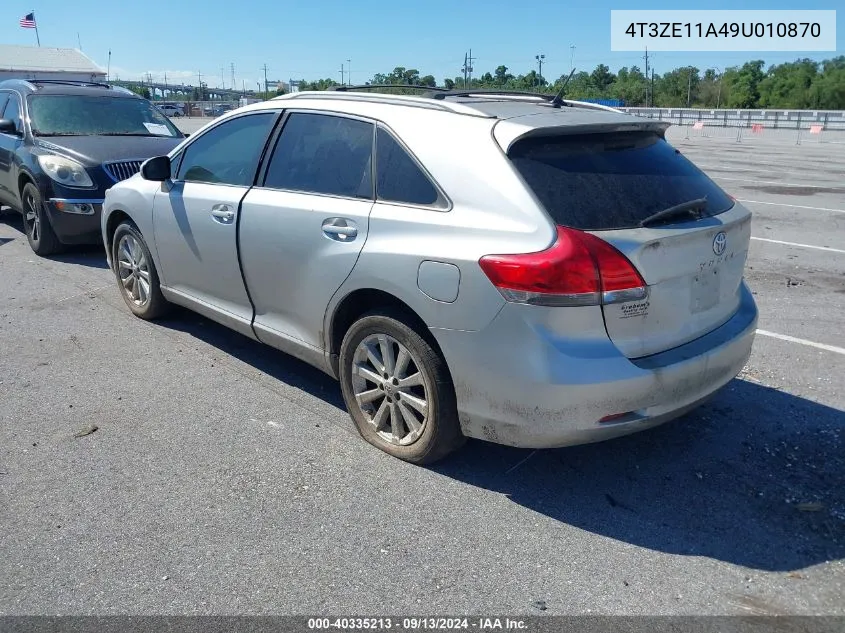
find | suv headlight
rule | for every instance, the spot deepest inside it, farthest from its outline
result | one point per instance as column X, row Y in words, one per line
column 65, row 171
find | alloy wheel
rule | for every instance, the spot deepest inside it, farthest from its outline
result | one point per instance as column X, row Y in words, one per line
column 390, row 389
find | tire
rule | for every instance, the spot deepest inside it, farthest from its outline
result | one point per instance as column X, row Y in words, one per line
column 39, row 232
column 141, row 292
column 439, row 432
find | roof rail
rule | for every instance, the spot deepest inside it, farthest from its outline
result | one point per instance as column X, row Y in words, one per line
column 68, row 82
column 442, row 93
column 376, row 86
column 412, row 101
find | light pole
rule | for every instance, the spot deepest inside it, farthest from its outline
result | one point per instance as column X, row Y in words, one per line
column 349, row 71
column 540, row 59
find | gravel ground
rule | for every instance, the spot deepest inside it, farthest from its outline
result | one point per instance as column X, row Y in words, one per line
column 226, row 478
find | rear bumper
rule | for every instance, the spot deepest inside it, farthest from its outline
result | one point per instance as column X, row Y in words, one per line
column 518, row 385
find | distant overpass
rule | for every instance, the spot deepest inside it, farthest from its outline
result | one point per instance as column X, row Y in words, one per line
column 185, row 91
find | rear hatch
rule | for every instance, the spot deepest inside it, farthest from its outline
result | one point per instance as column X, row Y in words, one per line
column 685, row 236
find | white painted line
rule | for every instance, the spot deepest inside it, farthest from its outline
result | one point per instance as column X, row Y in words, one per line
column 791, row 206
column 521, row 462
column 803, row 341
column 777, row 182
column 818, row 248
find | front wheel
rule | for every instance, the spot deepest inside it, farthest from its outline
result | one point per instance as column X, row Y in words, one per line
column 398, row 390
column 136, row 274
column 39, row 232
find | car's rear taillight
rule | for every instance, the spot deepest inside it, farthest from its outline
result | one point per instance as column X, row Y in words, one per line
column 578, row 269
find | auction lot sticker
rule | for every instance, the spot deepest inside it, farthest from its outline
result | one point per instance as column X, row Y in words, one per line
column 715, row 31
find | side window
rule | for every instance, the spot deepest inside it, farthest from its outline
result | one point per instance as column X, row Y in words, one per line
column 13, row 112
column 325, row 154
column 4, row 97
column 229, row 153
column 398, row 178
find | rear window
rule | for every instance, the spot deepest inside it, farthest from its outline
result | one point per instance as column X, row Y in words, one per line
column 612, row 181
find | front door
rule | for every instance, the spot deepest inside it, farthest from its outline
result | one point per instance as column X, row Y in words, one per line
column 196, row 221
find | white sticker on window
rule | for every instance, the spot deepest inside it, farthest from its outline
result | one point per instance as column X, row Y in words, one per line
column 158, row 129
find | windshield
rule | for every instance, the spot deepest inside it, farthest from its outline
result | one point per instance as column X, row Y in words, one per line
column 81, row 115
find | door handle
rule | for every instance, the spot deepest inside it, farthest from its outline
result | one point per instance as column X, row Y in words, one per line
column 222, row 213
column 340, row 229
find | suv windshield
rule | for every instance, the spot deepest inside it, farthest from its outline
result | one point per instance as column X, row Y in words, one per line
column 612, row 181
column 81, row 115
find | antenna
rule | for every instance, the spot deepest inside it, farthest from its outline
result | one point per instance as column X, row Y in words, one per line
column 558, row 100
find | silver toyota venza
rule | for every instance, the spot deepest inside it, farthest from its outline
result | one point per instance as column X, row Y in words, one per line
column 516, row 268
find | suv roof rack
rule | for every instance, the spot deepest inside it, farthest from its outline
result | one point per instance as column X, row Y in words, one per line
column 554, row 100
column 69, row 82
column 376, row 86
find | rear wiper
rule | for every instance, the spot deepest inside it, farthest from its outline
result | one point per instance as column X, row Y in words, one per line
column 691, row 208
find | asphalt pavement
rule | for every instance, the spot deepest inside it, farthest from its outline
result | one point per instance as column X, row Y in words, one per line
column 226, row 478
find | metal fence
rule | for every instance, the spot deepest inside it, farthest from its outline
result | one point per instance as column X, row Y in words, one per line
column 829, row 120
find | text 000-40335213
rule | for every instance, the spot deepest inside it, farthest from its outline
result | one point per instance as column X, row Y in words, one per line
column 690, row 30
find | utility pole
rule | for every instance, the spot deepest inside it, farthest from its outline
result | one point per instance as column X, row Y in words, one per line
column 349, row 71
column 342, row 76
column 571, row 57
column 469, row 70
column 199, row 86
column 464, row 70
column 540, row 59
column 222, row 78
column 265, row 78
column 646, row 78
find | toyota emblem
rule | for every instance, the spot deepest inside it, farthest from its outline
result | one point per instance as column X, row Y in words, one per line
column 720, row 242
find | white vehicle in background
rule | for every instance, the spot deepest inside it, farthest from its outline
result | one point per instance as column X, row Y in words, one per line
column 170, row 109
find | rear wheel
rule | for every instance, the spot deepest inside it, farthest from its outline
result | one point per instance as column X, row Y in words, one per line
column 39, row 232
column 398, row 390
column 136, row 274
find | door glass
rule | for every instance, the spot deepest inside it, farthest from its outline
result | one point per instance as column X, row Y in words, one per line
column 398, row 177
column 229, row 153
column 13, row 112
column 325, row 154
column 4, row 97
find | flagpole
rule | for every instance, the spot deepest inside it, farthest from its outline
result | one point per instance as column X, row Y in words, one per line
column 37, row 37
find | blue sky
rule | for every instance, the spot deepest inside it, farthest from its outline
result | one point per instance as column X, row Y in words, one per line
column 312, row 39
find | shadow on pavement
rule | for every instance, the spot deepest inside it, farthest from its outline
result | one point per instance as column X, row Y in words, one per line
column 753, row 478
column 85, row 255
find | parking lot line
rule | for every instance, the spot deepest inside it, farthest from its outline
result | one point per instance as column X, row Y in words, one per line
column 803, row 341
column 791, row 206
column 818, row 248
column 777, row 182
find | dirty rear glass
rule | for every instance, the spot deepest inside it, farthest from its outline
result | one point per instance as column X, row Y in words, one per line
column 611, row 181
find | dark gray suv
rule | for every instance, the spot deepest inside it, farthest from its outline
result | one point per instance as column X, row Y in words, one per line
column 63, row 144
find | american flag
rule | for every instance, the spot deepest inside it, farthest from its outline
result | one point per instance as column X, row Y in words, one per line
column 28, row 21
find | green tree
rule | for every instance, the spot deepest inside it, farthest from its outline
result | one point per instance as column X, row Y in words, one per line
column 788, row 85
column 449, row 84
column 602, row 79
column 743, row 85
column 677, row 88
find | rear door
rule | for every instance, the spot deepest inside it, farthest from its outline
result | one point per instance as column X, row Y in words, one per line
column 304, row 226
column 614, row 185
column 196, row 221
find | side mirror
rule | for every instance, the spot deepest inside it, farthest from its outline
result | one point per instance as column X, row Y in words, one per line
column 7, row 126
column 157, row 169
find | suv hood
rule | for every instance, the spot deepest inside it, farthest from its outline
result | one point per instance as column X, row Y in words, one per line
column 95, row 150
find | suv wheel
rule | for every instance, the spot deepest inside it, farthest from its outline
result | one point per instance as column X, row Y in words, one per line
column 136, row 273
column 39, row 232
column 398, row 390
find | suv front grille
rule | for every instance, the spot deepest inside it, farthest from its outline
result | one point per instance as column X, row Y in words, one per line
column 121, row 170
